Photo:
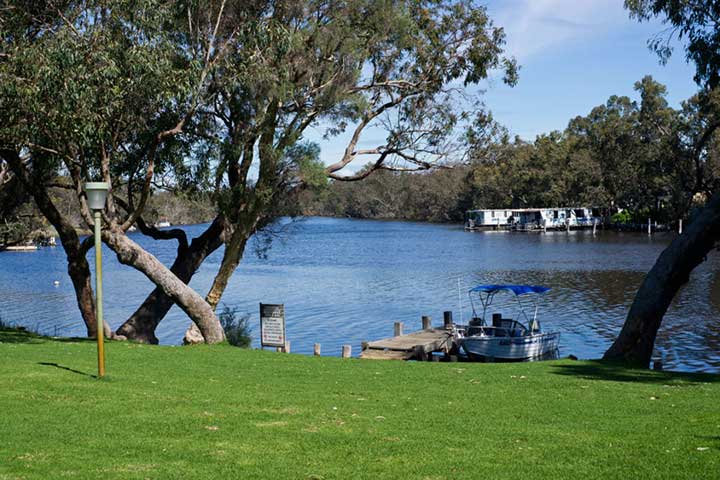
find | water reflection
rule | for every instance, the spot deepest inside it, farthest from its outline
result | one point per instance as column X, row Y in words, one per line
column 346, row 281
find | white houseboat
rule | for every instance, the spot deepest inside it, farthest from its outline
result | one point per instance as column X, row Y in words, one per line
column 529, row 219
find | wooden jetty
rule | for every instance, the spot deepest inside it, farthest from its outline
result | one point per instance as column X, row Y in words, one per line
column 418, row 345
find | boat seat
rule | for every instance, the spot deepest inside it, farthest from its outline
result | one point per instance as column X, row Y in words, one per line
column 474, row 330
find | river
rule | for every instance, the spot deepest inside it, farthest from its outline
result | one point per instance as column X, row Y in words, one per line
column 346, row 281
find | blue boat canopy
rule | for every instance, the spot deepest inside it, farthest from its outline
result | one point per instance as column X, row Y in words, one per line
column 516, row 289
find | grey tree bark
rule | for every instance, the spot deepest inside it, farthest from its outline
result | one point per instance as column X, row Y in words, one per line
column 200, row 312
column 143, row 322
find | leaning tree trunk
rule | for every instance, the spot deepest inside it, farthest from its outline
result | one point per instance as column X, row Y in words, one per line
column 670, row 272
column 130, row 253
column 234, row 250
column 142, row 324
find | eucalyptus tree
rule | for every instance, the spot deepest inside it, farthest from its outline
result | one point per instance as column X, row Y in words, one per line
column 90, row 87
column 698, row 25
column 346, row 66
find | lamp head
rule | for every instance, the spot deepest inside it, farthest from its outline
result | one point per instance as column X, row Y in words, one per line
column 96, row 194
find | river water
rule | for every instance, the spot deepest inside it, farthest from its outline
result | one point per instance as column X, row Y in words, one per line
column 346, row 281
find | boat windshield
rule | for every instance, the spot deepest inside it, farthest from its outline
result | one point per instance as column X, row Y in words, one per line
column 487, row 293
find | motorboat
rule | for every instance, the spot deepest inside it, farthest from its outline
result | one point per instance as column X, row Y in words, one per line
column 506, row 339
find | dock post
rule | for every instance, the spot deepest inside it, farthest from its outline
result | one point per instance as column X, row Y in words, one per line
column 594, row 226
column 316, row 350
column 346, row 351
column 649, row 227
column 567, row 224
column 680, row 227
column 420, row 354
column 398, row 329
column 447, row 320
column 426, row 322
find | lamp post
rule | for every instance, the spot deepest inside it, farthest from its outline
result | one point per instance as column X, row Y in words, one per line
column 96, row 195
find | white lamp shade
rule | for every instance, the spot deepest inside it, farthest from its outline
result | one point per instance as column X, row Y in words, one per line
column 96, row 194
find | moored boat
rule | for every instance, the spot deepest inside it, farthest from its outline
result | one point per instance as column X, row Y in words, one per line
column 506, row 338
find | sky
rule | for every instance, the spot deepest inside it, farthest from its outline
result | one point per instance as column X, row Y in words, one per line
column 573, row 55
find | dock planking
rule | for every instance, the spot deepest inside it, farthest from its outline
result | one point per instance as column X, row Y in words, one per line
column 414, row 346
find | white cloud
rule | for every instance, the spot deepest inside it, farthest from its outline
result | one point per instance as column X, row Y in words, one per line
column 534, row 26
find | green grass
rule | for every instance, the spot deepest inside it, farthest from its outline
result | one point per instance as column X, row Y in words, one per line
column 224, row 412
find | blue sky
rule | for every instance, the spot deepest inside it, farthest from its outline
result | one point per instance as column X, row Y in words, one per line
column 573, row 54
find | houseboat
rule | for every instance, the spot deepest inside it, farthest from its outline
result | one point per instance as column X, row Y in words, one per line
column 532, row 219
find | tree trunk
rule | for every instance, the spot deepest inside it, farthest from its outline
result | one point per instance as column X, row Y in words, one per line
column 234, row 250
column 130, row 253
column 79, row 272
column 142, row 324
column 670, row 272
column 78, row 268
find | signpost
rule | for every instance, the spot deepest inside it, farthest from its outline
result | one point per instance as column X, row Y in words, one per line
column 272, row 325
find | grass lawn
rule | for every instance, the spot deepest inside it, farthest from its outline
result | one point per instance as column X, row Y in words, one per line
column 224, row 412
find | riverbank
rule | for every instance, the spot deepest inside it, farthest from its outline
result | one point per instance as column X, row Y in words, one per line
column 224, row 412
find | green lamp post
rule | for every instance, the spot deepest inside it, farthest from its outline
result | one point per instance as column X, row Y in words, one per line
column 96, row 195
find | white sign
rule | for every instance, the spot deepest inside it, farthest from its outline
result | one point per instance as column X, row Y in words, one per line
column 272, row 325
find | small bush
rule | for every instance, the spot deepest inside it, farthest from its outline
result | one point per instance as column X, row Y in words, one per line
column 237, row 329
column 622, row 217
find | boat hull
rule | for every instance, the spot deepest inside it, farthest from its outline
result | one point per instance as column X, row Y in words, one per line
column 511, row 348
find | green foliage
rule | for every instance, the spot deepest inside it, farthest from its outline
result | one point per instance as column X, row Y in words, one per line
column 235, row 413
column 13, row 231
column 697, row 23
column 310, row 169
column 237, row 329
column 181, row 208
column 622, row 217
column 623, row 153
column 438, row 196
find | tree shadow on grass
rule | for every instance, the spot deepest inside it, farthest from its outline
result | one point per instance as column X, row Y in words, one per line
column 19, row 335
column 49, row 364
column 615, row 372
column 23, row 335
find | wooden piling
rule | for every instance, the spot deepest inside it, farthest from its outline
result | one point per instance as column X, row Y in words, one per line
column 346, row 351
column 398, row 329
column 680, row 227
column 649, row 227
column 567, row 224
column 447, row 320
column 594, row 226
column 316, row 350
column 426, row 322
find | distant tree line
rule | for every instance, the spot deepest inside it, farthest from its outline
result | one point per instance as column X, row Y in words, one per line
column 637, row 155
